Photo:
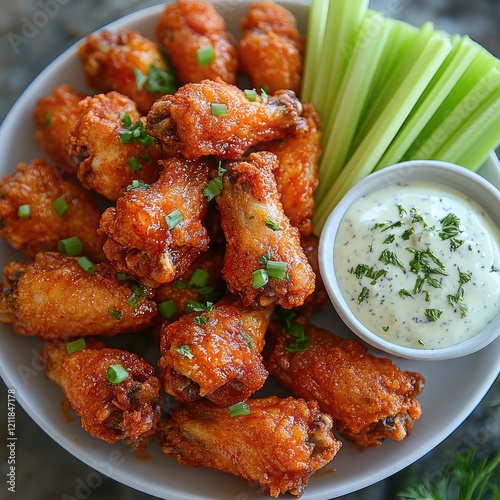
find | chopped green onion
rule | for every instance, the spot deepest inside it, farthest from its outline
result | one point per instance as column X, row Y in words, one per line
column 160, row 81
column 115, row 314
column 70, row 246
column 219, row 109
column 239, row 409
column 48, row 119
column 263, row 94
column 265, row 258
column 167, row 308
column 138, row 184
column 117, row 374
column 173, row 219
column 201, row 320
column 140, row 78
column 180, row 285
column 206, row 55
column 134, row 132
column 276, row 269
column 272, row 224
column 260, row 278
column 199, row 278
column 87, row 265
column 134, row 164
column 249, row 340
column 250, row 94
column 60, row 206
column 75, row 345
column 214, row 187
column 24, row 211
column 184, row 350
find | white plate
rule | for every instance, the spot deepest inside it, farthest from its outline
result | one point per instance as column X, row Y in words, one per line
column 453, row 388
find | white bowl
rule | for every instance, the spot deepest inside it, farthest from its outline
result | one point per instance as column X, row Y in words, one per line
column 465, row 381
column 472, row 185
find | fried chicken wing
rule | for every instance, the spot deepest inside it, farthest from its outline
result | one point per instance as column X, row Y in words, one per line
column 258, row 231
column 54, row 116
column 128, row 63
column 215, row 352
column 128, row 410
column 279, row 444
column 155, row 234
column 189, row 26
column 369, row 398
column 107, row 161
column 52, row 297
column 187, row 123
column 38, row 186
column 271, row 48
column 297, row 172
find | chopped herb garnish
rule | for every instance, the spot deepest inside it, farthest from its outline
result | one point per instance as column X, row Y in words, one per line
column 390, row 239
column 75, row 345
column 87, row 265
column 450, row 230
column 391, row 226
column 167, row 308
column 276, row 269
column 115, row 314
column 433, row 314
column 140, row 78
column 205, row 55
column 160, row 81
column 134, row 132
column 388, row 257
column 134, row 164
column 406, row 234
column 265, row 258
column 70, row 246
column 199, row 278
column 363, row 295
column 219, row 109
column 464, row 277
column 249, row 340
column 195, row 306
column 201, row 320
column 250, row 94
column 180, row 285
column 239, row 409
column 137, row 292
column 405, row 293
column 173, row 219
column 138, row 184
column 402, row 211
column 184, row 350
column 60, row 206
column 214, row 187
column 385, row 328
column 48, row 119
column 117, row 374
column 272, row 224
column 263, row 93
column 494, row 269
column 24, row 211
column 260, row 278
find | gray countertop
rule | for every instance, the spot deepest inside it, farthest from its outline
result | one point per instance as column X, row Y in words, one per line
column 44, row 469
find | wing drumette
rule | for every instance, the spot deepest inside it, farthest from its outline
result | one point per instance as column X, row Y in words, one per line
column 54, row 116
column 215, row 352
column 271, row 48
column 127, row 62
column 258, row 231
column 108, row 160
column 215, row 118
column 38, row 186
column 155, row 232
column 112, row 411
column 369, row 398
column 54, row 298
column 279, row 444
column 188, row 28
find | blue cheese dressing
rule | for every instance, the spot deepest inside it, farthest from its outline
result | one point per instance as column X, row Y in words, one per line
column 419, row 265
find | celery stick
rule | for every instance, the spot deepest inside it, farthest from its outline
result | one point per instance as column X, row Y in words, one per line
column 451, row 70
column 345, row 116
column 393, row 81
column 440, row 136
column 342, row 24
column 385, row 128
column 315, row 33
column 479, row 67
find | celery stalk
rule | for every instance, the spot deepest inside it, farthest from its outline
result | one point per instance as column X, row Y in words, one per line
column 385, row 127
column 339, row 131
column 447, row 76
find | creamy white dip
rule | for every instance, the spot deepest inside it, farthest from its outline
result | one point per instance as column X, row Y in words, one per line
column 419, row 265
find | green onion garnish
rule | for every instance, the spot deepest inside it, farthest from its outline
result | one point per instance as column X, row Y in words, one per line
column 134, row 164
column 173, row 219
column 180, row 285
column 249, row 340
column 60, row 206
column 206, row 55
column 199, row 278
column 276, row 269
column 138, row 184
column 70, row 246
column 48, row 119
column 160, row 81
column 117, row 374
column 75, row 345
column 115, row 314
column 272, row 224
column 239, row 409
column 219, row 109
column 260, row 278
column 140, row 78
column 167, row 308
column 201, row 320
column 263, row 93
column 250, row 94
column 134, row 132
column 24, row 211
column 185, row 351
column 87, row 265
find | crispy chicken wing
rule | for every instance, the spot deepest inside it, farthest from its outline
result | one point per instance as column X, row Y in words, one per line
column 297, row 172
column 54, row 116
column 38, row 185
column 215, row 352
column 107, row 161
column 279, row 445
column 271, row 48
column 128, row 410
column 127, row 62
column 369, row 398
column 258, row 231
column 52, row 297
column 189, row 26
column 187, row 122
column 155, row 234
